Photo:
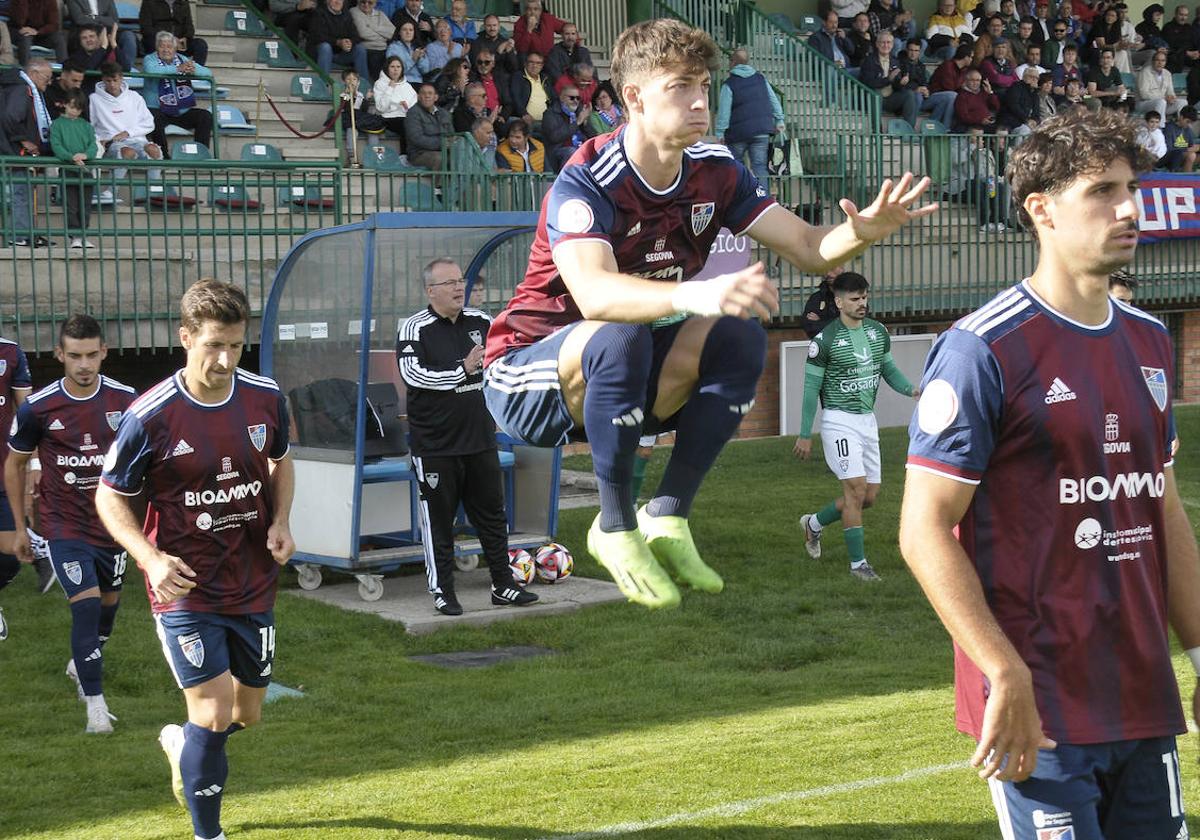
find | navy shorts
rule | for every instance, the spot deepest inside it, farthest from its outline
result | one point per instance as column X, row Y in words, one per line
column 200, row 646
column 1124, row 790
column 6, row 517
column 80, row 566
column 524, row 395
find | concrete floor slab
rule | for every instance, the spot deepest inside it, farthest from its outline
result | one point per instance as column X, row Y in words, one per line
column 406, row 600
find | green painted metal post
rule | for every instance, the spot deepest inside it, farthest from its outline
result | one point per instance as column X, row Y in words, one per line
column 639, row 10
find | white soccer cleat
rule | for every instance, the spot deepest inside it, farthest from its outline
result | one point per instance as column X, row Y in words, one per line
column 3, row 627
column 74, row 675
column 812, row 539
column 171, row 740
column 99, row 718
column 863, row 571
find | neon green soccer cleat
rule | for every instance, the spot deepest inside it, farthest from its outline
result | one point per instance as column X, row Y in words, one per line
column 670, row 541
column 632, row 566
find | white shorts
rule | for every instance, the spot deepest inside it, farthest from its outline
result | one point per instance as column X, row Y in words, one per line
column 851, row 443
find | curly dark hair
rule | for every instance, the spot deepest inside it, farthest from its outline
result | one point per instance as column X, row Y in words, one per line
column 1070, row 146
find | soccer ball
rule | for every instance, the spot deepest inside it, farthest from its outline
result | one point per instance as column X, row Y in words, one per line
column 553, row 563
column 520, row 562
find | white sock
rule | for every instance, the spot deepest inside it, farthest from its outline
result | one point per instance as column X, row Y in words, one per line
column 815, row 525
column 95, row 700
column 858, row 564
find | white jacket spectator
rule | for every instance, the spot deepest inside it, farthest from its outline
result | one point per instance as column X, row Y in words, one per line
column 1155, row 89
column 847, row 9
column 1153, row 141
column 393, row 99
column 125, row 113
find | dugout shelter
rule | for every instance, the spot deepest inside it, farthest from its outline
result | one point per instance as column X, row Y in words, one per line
column 328, row 338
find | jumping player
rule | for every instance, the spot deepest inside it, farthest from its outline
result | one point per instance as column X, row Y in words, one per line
column 15, row 386
column 597, row 341
column 1042, row 517
column 845, row 361
column 71, row 424
column 209, row 447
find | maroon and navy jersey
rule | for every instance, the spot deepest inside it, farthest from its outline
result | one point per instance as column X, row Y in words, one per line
column 205, row 468
column 14, row 375
column 600, row 196
column 1066, row 431
column 71, row 436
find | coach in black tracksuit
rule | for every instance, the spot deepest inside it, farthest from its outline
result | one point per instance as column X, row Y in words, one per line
column 440, row 354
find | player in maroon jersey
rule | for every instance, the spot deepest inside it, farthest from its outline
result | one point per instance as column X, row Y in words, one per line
column 608, row 338
column 70, row 424
column 15, row 386
column 1041, row 513
column 209, row 447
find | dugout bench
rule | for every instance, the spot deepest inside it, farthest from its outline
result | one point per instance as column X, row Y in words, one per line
column 328, row 338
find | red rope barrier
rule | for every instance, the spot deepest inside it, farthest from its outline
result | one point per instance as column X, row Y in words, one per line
column 321, row 133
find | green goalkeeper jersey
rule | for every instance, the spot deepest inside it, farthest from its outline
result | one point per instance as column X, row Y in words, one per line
column 844, row 367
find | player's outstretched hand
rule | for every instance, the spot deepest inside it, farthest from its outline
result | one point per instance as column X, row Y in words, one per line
column 280, row 542
column 1012, row 731
column 746, row 294
column 890, row 210
column 170, row 578
column 803, row 448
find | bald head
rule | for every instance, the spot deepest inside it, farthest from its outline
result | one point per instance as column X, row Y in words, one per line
column 739, row 56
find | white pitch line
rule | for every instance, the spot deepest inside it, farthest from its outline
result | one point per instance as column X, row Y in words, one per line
column 732, row 809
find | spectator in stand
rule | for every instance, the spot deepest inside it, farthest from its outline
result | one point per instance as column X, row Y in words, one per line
column 333, row 39
column 1033, row 58
column 831, row 42
column 848, row 10
column 1074, row 27
column 1155, row 89
column 374, row 32
column 940, row 105
column 1043, row 26
column 1182, row 147
column 534, row 31
column 1150, row 29
column 565, row 126
column 748, row 113
column 495, row 84
column 25, row 131
column 1047, row 103
column 998, row 67
column 976, row 105
column 949, row 74
column 414, row 12
column 531, row 93
column 988, row 189
column 172, row 101
column 1139, row 53
column 1073, row 95
column 1193, row 86
column 174, row 16
column 504, row 49
column 1019, row 108
column 36, row 22
column 567, row 53
column 1104, row 83
column 292, row 16
column 821, row 307
column 946, row 30
column 862, row 43
column 394, row 96
column 1022, row 41
column 985, row 43
column 483, row 135
column 1150, row 135
column 426, row 127
column 122, row 121
column 451, row 85
column 416, row 61
column 880, row 72
column 102, row 16
column 607, row 115
column 1012, row 20
column 471, row 106
column 1052, row 50
column 519, row 152
column 6, row 57
column 891, row 16
column 1069, row 69
column 74, row 143
column 69, row 79
column 1085, row 11
column 94, row 49
column 582, row 76
column 1106, row 34
column 442, row 50
column 462, row 28
column 1184, row 51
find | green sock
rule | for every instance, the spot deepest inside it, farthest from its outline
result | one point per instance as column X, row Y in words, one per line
column 639, row 474
column 854, row 544
column 828, row 514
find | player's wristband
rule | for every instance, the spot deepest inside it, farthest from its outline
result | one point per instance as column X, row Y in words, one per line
column 698, row 297
column 35, row 464
column 1194, row 655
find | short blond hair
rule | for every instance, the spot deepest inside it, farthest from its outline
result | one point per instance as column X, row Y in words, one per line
column 661, row 45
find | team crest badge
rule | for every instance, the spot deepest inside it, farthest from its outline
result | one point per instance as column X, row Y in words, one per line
column 476, row 336
column 702, row 214
column 258, row 435
column 113, row 418
column 193, row 649
column 432, row 480
column 1156, row 381
column 73, row 572
column 3, row 366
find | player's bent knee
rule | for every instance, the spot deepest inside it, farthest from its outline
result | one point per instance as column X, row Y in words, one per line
column 734, row 357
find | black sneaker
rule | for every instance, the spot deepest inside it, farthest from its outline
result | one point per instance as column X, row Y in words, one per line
column 42, row 242
column 512, row 595
column 447, row 604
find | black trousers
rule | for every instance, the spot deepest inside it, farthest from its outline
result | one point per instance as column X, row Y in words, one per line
column 197, row 120
column 476, row 482
column 79, row 206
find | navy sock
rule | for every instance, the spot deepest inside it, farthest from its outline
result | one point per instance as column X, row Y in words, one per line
column 204, row 768
column 730, row 363
column 85, row 644
column 616, row 368
column 9, row 566
column 108, row 616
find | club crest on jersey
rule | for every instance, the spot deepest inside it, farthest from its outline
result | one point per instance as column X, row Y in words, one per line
column 432, row 480
column 258, row 435
column 3, row 366
column 702, row 215
column 73, row 572
column 192, row 647
column 1156, row 381
column 113, row 418
column 476, row 336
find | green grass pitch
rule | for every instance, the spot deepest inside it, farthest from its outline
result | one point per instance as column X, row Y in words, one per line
column 800, row 704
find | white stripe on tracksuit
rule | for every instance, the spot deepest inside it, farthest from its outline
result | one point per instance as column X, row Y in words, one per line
column 431, row 572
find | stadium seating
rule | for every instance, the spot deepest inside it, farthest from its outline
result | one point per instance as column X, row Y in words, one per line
column 231, row 119
column 189, row 150
column 262, row 152
column 232, row 197
column 385, row 159
column 420, row 197
column 241, row 22
column 162, row 197
column 310, row 87
column 300, row 198
column 278, row 54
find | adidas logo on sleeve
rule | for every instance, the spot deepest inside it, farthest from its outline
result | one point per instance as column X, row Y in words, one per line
column 1059, row 392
